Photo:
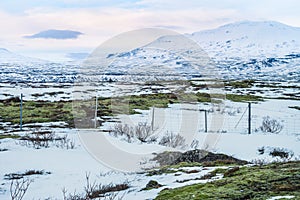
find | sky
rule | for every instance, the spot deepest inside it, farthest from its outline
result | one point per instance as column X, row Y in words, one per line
column 24, row 23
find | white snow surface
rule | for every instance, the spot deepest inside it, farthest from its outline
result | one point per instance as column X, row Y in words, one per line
column 259, row 50
column 68, row 167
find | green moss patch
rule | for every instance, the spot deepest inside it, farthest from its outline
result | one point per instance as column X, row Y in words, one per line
column 36, row 111
column 68, row 111
column 243, row 98
column 257, row 182
column 240, row 84
column 14, row 136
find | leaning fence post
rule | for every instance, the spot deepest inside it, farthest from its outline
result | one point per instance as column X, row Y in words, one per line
column 152, row 121
column 96, row 110
column 249, row 118
column 205, row 118
column 21, row 111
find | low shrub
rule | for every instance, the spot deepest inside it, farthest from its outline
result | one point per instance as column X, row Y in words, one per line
column 15, row 176
column 141, row 132
column 96, row 191
column 173, row 140
column 281, row 153
column 44, row 138
column 18, row 188
column 271, row 125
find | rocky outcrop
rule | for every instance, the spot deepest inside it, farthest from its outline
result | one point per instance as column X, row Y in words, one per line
column 198, row 156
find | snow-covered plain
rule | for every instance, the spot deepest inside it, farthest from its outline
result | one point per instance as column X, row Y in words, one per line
column 265, row 51
column 68, row 167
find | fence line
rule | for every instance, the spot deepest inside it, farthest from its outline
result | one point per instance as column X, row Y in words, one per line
column 236, row 120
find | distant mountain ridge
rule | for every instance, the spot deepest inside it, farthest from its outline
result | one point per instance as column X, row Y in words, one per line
column 9, row 57
column 241, row 50
column 249, row 39
column 15, row 68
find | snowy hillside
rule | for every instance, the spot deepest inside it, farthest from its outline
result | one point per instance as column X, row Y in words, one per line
column 174, row 56
column 9, row 57
column 249, row 39
column 243, row 50
column 258, row 50
column 16, row 68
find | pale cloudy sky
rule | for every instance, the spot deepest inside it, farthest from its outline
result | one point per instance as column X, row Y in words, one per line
column 100, row 20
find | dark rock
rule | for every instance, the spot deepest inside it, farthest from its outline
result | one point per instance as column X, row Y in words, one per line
column 222, row 158
column 152, row 185
column 167, row 157
column 192, row 171
column 199, row 156
column 191, row 156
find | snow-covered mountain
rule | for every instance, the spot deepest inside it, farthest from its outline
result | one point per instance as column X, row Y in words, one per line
column 249, row 39
column 257, row 50
column 15, row 68
column 9, row 57
column 253, row 49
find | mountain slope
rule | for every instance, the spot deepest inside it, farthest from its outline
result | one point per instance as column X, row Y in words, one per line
column 259, row 50
column 9, row 57
column 249, row 39
column 16, row 68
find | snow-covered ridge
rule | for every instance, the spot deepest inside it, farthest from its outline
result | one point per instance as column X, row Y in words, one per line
column 249, row 39
column 9, row 57
column 15, row 68
column 257, row 50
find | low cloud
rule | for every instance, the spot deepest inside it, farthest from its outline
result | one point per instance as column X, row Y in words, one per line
column 56, row 34
column 77, row 56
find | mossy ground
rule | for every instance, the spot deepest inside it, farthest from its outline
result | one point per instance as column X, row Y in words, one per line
column 256, row 182
column 240, row 84
column 13, row 136
column 243, row 98
column 45, row 111
column 36, row 111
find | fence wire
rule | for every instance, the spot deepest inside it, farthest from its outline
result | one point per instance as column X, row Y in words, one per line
column 234, row 119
